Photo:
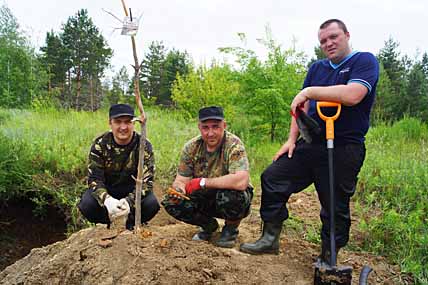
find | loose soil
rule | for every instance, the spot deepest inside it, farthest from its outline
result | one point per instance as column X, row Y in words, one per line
column 165, row 254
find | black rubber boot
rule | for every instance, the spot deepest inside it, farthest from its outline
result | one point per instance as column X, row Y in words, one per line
column 324, row 257
column 267, row 243
column 206, row 231
column 228, row 236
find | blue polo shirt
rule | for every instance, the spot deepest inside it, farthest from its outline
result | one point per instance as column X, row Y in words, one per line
column 353, row 122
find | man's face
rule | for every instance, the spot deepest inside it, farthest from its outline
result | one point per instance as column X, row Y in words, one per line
column 212, row 132
column 122, row 128
column 334, row 42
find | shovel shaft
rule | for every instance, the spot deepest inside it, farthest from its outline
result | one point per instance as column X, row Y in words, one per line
column 332, row 205
column 329, row 121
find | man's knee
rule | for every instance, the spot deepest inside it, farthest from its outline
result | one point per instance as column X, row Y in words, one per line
column 150, row 207
column 233, row 205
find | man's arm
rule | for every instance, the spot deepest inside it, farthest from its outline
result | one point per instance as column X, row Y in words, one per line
column 234, row 181
column 96, row 174
column 348, row 95
column 290, row 144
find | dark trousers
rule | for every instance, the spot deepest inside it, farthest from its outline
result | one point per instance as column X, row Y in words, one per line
column 91, row 209
column 308, row 165
column 204, row 205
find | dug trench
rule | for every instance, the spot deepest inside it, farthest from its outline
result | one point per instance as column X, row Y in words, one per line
column 165, row 254
column 21, row 229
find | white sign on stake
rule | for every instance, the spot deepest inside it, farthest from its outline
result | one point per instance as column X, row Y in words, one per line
column 130, row 27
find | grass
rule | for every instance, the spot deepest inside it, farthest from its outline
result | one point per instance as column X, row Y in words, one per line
column 43, row 157
column 393, row 195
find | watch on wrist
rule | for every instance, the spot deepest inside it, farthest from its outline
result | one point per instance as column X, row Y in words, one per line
column 202, row 183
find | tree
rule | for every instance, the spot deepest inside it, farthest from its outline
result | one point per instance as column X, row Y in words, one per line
column 87, row 53
column 424, row 64
column 416, row 100
column 120, row 87
column 53, row 57
column 319, row 54
column 394, row 67
column 176, row 63
column 20, row 75
column 385, row 102
column 267, row 88
column 96, row 65
column 152, row 70
column 205, row 87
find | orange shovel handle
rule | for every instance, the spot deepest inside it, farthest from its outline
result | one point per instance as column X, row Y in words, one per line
column 329, row 121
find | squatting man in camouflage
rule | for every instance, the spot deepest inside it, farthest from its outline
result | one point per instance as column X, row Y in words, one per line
column 113, row 162
column 214, row 173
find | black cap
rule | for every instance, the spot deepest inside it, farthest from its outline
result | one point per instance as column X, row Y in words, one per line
column 211, row 113
column 119, row 110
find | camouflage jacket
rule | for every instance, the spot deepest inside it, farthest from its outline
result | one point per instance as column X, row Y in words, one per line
column 111, row 167
column 196, row 161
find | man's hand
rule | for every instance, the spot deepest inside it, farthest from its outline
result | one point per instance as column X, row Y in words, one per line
column 116, row 208
column 176, row 195
column 300, row 99
column 193, row 185
column 289, row 147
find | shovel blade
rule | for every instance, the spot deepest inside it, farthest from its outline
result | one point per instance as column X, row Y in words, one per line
column 327, row 275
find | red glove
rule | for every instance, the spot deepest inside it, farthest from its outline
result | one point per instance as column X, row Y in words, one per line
column 193, row 185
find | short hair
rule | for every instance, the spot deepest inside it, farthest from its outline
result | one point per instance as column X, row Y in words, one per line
column 331, row 21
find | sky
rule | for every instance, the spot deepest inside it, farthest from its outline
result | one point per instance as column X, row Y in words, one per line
column 202, row 26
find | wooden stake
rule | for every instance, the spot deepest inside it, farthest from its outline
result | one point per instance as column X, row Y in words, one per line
column 139, row 180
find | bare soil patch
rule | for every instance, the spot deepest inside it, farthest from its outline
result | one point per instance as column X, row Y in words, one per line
column 166, row 255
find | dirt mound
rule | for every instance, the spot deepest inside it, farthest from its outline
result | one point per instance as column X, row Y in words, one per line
column 165, row 254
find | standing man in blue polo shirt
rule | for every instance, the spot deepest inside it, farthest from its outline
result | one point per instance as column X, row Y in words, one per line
column 347, row 77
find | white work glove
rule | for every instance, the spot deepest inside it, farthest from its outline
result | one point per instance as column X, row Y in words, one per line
column 116, row 208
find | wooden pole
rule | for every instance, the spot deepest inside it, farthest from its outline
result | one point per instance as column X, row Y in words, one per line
column 139, row 180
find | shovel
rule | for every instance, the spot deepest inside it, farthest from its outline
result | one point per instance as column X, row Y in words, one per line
column 330, row 273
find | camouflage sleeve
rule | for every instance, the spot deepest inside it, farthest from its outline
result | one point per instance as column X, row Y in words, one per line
column 238, row 159
column 148, row 172
column 96, row 173
column 186, row 167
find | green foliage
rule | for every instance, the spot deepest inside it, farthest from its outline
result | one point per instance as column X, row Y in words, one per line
column 403, row 85
column 159, row 70
column 205, row 87
column 21, row 77
column 86, row 56
column 385, row 102
column 417, row 93
column 176, row 63
column 152, row 70
column 53, row 59
column 319, row 54
column 393, row 181
column 267, row 88
column 120, row 87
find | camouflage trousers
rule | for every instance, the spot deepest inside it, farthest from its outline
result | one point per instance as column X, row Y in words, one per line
column 205, row 204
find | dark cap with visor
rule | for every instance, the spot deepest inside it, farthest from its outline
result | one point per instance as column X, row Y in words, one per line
column 119, row 110
column 211, row 113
